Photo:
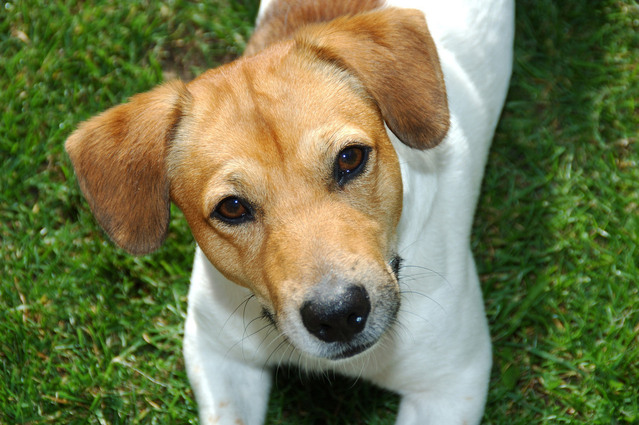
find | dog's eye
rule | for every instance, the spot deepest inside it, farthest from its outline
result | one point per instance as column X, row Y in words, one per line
column 350, row 162
column 232, row 210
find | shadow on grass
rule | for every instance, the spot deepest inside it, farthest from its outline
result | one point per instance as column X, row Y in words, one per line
column 332, row 398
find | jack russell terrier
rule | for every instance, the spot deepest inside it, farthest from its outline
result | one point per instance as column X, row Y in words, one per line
column 329, row 177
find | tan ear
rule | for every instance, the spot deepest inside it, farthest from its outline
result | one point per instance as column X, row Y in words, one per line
column 393, row 54
column 119, row 159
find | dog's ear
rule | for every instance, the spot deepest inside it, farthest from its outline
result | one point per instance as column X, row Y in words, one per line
column 119, row 159
column 393, row 54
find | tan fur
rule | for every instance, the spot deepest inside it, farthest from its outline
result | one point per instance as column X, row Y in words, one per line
column 267, row 128
column 119, row 156
column 375, row 45
column 284, row 17
column 280, row 158
column 375, row 48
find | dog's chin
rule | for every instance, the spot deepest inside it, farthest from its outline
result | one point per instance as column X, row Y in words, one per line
column 350, row 351
column 336, row 351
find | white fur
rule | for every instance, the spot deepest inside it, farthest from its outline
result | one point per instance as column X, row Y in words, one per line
column 439, row 357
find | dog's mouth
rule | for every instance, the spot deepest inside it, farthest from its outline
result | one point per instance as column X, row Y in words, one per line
column 343, row 322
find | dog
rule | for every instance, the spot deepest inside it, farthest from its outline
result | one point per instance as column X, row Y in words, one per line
column 329, row 177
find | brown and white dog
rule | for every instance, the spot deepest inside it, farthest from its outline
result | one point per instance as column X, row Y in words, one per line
column 349, row 139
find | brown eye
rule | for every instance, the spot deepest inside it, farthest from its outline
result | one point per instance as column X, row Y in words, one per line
column 350, row 162
column 232, row 210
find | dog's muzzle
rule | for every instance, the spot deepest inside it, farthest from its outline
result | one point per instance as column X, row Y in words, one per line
column 337, row 315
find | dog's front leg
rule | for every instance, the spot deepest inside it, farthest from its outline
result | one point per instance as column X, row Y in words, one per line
column 457, row 399
column 431, row 409
column 228, row 391
column 456, row 393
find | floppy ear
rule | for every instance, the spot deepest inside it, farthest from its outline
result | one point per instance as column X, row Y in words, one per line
column 119, row 159
column 393, row 54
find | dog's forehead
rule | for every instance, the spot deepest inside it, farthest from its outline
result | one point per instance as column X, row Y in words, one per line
column 279, row 107
column 278, row 94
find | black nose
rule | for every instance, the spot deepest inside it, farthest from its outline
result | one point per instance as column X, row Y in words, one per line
column 337, row 316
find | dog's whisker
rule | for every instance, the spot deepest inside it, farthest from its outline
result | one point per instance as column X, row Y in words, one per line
column 363, row 366
column 265, row 337
column 290, row 366
column 267, row 325
column 326, row 374
column 287, row 354
column 405, row 293
column 277, row 348
column 300, row 367
column 290, row 350
column 418, row 316
column 408, row 247
column 252, row 296
column 278, row 366
column 290, row 355
column 430, row 272
column 246, row 336
column 253, row 320
column 398, row 327
column 244, row 302
column 399, row 331
column 417, row 277
column 282, row 342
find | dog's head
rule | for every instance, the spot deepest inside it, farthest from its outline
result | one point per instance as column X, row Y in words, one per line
column 283, row 168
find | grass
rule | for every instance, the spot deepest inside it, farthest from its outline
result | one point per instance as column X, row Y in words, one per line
column 89, row 334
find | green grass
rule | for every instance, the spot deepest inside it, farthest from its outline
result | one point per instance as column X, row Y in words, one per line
column 89, row 334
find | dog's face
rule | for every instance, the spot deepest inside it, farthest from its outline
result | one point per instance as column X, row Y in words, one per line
column 282, row 166
column 292, row 189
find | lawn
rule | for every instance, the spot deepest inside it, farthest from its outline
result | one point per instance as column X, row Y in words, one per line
column 89, row 334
